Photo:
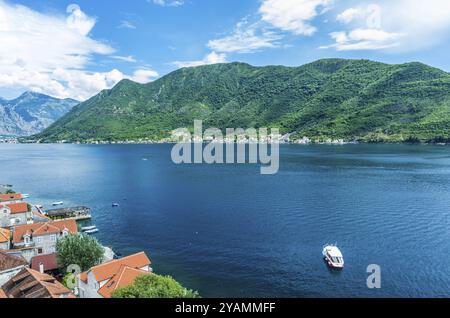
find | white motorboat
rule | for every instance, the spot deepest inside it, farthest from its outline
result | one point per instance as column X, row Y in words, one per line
column 91, row 231
column 333, row 256
column 58, row 203
column 88, row 228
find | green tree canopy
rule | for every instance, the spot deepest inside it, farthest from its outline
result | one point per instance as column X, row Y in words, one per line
column 78, row 249
column 155, row 286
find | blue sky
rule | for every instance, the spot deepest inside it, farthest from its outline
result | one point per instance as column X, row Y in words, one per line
column 76, row 48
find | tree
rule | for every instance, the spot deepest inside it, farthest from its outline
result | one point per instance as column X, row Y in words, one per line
column 155, row 286
column 78, row 249
column 9, row 191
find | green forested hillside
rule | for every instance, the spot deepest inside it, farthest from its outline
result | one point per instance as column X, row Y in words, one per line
column 334, row 98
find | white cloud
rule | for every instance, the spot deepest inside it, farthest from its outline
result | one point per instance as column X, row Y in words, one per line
column 167, row 3
column 246, row 38
column 274, row 17
column 80, row 84
column 49, row 53
column 211, row 58
column 125, row 24
column 364, row 39
column 44, row 42
column 402, row 25
column 349, row 15
column 293, row 15
column 63, row 83
column 129, row 59
column 144, row 76
column 78, row 20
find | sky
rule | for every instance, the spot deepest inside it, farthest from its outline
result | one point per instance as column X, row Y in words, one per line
column 74, row 49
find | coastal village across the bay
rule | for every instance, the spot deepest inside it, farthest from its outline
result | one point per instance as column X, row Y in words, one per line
column 36, row 247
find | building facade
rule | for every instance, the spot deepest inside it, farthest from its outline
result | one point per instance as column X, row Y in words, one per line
column 13, row 214
column 100, row 281
column 41, row 238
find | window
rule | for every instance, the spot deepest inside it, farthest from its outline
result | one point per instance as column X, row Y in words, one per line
column 14, row 221
column 336, row 260
column 53, row 238
column 38, row 239
column 40, row 251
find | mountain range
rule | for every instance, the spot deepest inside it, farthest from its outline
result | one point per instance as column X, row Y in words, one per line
column 327, row 99
column 31, row 113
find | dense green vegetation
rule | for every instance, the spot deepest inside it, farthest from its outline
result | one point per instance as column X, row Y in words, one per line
column 82, row 250
column 334, row 98
column 155, row 286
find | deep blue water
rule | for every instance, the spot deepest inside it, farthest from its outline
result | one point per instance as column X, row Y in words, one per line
column 226, row 230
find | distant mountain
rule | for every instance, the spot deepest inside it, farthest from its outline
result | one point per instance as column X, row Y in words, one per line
column 332, row 98
column 31, row 113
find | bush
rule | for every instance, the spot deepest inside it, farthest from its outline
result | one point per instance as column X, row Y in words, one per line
column 155, row 286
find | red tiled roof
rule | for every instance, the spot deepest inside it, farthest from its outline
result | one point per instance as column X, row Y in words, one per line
column 5, row 235
column 2, row 294
column 47, row 228
column 10, row 197
column 16, row 208
column 50, row 262
column 124, row 277
column 37, row 229
column 29, row 283
column 107, row 270
column 8, row 261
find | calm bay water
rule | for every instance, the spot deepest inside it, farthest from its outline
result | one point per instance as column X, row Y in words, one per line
column 226, row 230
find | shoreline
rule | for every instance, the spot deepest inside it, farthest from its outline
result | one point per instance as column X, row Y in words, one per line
column 207, row 142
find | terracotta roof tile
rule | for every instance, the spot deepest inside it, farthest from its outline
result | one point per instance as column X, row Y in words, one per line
column 52, row 227
column 49, row 261
column 2, row 294
column 5, row 235
column 16, row 208
column 29, row 283
column 10, row 197
column 9, row 261
column 107, row 270
column 124, row 277
column 47, row 228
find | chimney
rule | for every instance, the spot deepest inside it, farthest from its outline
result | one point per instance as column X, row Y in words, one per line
column 41, row 268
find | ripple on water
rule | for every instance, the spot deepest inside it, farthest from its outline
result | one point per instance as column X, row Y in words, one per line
column 225, row 230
